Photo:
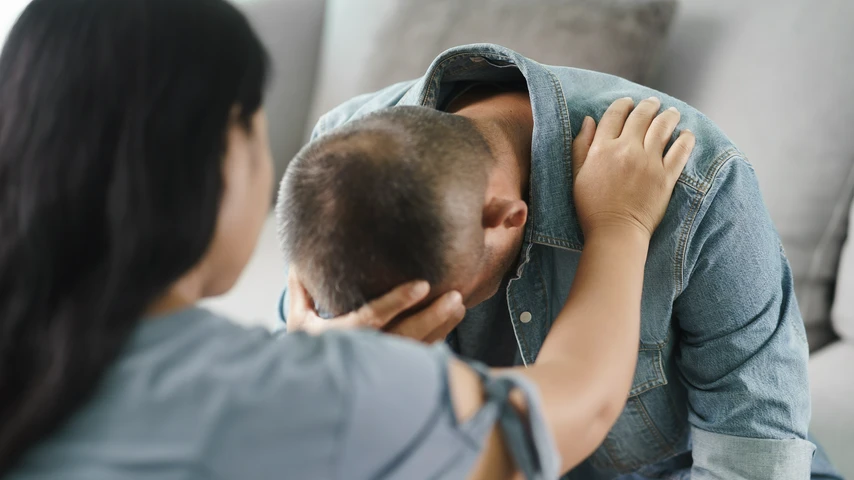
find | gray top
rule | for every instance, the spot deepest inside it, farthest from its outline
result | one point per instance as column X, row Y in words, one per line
column 195, row 396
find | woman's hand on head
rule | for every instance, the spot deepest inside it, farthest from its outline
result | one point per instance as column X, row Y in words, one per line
column 430, row 324
column 622, row 176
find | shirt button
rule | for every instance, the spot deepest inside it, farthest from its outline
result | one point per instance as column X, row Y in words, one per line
column 525, row 317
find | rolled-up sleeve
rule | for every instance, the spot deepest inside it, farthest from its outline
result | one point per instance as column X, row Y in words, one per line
column 403, row 425
column 742, row 352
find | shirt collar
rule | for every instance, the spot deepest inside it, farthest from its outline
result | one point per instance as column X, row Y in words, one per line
column 553, row 220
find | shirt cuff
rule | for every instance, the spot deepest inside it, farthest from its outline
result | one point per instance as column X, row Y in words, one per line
column 726, row 457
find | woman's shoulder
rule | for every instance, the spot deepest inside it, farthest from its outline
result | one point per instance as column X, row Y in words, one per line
column 208, row 351
column 206, row 346
column 193, row 390
column 300, row 401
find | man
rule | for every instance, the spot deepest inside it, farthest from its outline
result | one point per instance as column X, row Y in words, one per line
column 472, row 192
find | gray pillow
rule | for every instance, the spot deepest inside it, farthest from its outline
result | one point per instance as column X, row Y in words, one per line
column 291, row 31
column 777, row 79
column 843, row 305
column 369, row 44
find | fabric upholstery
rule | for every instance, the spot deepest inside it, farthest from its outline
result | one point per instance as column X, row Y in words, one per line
column 370, row 44
column 777, row 79
column 843, row 305
column 291, row 31
column 832, row 389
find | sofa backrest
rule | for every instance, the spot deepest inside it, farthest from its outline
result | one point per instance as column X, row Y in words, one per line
column 776, row 76
column 370, row 44
column 843, row 305
column 291, row 30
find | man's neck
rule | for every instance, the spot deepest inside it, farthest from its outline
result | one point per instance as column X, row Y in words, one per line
column 506, row 120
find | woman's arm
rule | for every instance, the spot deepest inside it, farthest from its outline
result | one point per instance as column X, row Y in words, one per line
column 623, row 183
column 585, row 367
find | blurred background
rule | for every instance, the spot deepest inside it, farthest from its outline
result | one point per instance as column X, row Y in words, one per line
column 775, row 75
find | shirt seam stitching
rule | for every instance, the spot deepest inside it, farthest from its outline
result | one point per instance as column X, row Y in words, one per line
column 651, row 426
column 442, row 66
column 696, row 206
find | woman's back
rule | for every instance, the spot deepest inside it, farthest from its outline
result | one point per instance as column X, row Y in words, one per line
column 135, row 177
column 195, row 396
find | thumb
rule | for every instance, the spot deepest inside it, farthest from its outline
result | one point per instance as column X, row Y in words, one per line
column 581, row 144
column 301, row 304
column 300, row 299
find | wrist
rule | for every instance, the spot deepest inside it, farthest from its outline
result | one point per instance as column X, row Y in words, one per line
column 618, row 232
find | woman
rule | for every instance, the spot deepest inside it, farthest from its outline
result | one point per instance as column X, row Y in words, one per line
column 135, row 175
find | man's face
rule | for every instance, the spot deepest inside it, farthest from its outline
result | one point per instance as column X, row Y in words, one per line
column 481, row 271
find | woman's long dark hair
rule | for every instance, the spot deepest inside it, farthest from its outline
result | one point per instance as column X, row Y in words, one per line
column 113, row 115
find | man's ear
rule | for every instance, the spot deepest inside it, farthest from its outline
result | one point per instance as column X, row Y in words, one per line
column 504, row 213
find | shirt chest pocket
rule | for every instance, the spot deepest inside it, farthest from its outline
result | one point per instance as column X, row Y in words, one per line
column 650, row 427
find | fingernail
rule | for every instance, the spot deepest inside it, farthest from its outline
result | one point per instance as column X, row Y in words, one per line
column 673, row 109
column 628, row 98
column 687, row 130
column 654, row 99
column 454, row 298
column 586, row 123
column 419, row 289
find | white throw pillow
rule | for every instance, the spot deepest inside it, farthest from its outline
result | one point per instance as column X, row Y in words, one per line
column 843, row 305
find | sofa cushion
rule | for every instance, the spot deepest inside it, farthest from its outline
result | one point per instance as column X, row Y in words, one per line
column 777, row 79
column 843, row 305
column 291, row 31
column 831, row 389
column 369, row 44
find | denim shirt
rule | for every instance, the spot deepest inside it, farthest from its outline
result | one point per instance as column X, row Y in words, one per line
column 720, row 390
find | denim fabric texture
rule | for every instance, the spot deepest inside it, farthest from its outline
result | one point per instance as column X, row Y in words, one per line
column 721, row 388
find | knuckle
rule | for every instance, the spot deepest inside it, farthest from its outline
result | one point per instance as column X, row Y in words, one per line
column 648, row 107
column 365, row 316
column 621, row 105
column 625, row 153
column 682, row 147
column 663, row 121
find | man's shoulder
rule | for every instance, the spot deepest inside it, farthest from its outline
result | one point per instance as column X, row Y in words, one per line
column 590, row 93
column 362, row 105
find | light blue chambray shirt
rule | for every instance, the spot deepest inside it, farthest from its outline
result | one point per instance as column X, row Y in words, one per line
column 721, row 388
column 195, row 397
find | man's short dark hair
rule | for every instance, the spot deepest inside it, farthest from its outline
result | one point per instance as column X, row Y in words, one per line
column 381, row 201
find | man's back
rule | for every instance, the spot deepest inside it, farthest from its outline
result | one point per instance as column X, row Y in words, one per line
column 721, row 377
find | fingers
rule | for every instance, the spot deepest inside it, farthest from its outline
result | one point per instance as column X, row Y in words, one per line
column 677, row 156
column 641, row 117
column 661, row 131
column 300, row 301
column 442, row 331
column 443, row 314
column 384, row 309
column 611, row 124
column 581, row 144
column 301, row 314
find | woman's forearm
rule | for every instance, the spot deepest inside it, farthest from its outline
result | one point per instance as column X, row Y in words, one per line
column 585, row 367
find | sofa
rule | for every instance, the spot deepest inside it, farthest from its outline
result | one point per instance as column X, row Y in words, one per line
column 774, row 75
